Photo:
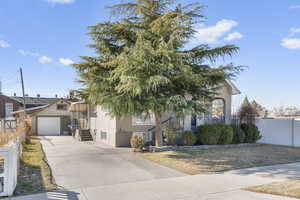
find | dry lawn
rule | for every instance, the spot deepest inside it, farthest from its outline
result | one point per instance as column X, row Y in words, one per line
column 35, row 175
column 7, row 137
column 215, row 160
column 289, row 188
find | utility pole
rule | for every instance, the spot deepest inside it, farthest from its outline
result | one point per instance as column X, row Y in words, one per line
column 23, row 91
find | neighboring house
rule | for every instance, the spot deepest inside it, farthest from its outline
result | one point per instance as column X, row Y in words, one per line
column 35, row 101
column 117, row 131
column 7, row 106
column 52, row 119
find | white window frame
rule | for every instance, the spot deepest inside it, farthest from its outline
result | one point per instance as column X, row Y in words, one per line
column 9, row 108
column 141, row 121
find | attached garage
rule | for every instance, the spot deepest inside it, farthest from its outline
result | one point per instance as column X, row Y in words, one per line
column 48, row 126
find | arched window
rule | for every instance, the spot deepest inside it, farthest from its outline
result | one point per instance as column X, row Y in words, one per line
column 218, row 110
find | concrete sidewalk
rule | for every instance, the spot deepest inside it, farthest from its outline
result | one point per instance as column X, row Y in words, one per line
column 221, row 186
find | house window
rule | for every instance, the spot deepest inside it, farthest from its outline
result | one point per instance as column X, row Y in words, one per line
column 9, row 108
column 218, row 110
column 143, row 120
column 93, row 111
column 62, row 107
column 103, row 135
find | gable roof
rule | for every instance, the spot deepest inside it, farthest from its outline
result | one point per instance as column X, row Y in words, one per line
column 7, row 98
column 39, row 108
column 31, row 110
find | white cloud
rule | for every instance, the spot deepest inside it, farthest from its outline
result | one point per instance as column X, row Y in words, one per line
column 66, row 61
column 294, row 7
column 212, row 34
column 291, row 43
column 294, row 31
column 61, row 1
column 28, row 53
column 4, row 44
column 45, row 60
column 233, row 36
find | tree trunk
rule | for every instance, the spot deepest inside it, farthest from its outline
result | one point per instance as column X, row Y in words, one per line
column 158, row 130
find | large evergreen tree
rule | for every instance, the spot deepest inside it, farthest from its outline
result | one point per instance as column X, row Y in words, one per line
column 143, row 66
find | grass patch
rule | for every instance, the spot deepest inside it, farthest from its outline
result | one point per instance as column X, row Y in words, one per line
column 216, row 160
column 35, row 174
column 289, row 188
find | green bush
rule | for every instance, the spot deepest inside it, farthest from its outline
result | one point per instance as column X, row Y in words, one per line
column 137, row 142
column 171, row 135
column 238, row 135
column 251, row 132
column 208, row 135
column 225, row 133
column 189, row 138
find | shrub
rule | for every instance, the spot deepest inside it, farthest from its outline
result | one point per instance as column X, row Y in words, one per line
column 189, row 138
column 170, row 131
column 171, row 136
column 208, row 135
column 225, row 132
column 247, row 113
column 251, row 132
column 238, row 135
column 137, row 142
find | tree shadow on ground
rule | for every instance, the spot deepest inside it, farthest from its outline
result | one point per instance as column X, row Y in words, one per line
column 218, row 160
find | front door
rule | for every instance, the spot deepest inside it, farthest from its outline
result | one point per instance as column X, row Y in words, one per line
column 194, row 123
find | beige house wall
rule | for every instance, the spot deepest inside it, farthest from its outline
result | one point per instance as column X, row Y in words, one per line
column 226, row 94
column 103, row 127
column 119, row 130
column 125, row 129
column 223, row 93
column 51, row 111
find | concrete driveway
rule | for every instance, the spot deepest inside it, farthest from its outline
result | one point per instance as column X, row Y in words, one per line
column 86, row 164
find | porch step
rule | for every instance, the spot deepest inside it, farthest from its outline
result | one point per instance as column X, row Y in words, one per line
column 85, row 135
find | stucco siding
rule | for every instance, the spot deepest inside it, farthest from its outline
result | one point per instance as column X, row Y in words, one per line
column 125, row 129
column 226, row 94
column 118, row 130
column 52, row 111
column 103, row 127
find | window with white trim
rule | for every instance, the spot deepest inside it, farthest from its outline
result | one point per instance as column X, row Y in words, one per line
column 9, row 108
column 143, row 120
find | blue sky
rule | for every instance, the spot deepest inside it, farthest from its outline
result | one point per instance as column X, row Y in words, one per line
column 45, row 36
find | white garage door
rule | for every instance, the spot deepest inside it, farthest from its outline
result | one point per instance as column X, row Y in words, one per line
column 48, row 126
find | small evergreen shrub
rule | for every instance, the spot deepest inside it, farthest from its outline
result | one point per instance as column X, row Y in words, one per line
column 171, row 136
column 252, row 134
column 189, row 138
column 225, row 133
column 137, row 142
column 238, row 135
column 208, row 135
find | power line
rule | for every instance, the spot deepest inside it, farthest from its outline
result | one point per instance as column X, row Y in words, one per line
column 10, row 76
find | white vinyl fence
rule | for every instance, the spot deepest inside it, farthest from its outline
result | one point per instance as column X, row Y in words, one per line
column 280, row 131
column 9, row 165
